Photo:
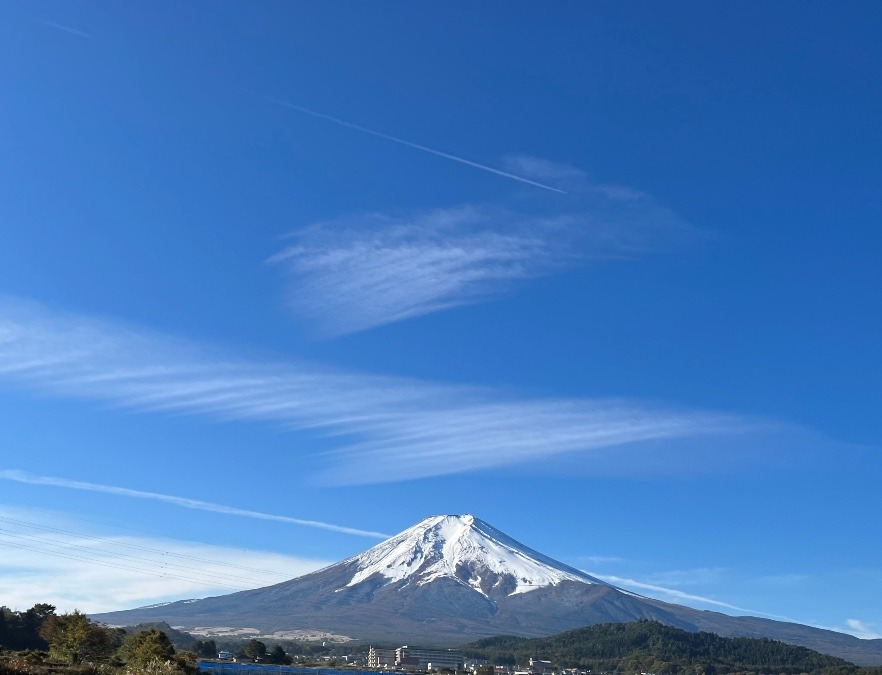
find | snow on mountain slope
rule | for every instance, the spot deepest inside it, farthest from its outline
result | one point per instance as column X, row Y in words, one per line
column 467, row 550
column 452, row 579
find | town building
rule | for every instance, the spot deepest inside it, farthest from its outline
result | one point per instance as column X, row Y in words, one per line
column 541, row 667
column 381, row 658
column 425, row 659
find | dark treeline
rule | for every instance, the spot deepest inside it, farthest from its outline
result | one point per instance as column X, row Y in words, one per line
column 651, row 647
column 39, row 642
column 21, row 630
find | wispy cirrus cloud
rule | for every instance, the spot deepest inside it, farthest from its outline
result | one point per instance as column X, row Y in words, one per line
column 51, row 558
column 386, row 429
column 185, row 502
column 363, row 271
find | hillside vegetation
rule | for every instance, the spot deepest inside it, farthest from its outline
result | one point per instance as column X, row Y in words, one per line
column 651, row 647
column 41, row 642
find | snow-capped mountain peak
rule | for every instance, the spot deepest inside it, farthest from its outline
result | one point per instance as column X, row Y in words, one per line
column 467, row 550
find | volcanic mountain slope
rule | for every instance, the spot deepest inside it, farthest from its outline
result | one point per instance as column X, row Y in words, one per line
column 451, row 579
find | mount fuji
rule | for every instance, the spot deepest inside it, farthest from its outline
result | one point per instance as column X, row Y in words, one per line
column 452, row 579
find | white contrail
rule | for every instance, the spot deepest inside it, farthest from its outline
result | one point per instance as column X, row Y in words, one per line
column 416, row 146
column 66, row 29
column 31, row 479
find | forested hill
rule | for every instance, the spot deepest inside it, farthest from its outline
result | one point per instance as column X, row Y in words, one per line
column 651, row 647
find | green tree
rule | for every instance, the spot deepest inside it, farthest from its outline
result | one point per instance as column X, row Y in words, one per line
column 255, row 649
column 4, row 628
column 146, row 647
column 21, row 630
column 205, row 649
column 278, row 655
column 73, row 638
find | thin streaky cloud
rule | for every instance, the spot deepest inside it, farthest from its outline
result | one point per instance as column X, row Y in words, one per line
column 67, row 29
column 852, row 626
column 345, row 277
column 673, row 593
column 30, row 525
column 84, row 552
column 87, row 569
column 366, row 270
column 31, row 479
column 384, row 429
column 480, row 437
column 409, row 144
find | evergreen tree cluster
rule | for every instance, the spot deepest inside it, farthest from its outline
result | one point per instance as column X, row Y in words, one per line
column 255, row 649
column 651, row 647
column 21, row 630
column 41, row 642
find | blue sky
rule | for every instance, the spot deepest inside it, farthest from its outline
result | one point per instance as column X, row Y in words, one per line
column 279, row 278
